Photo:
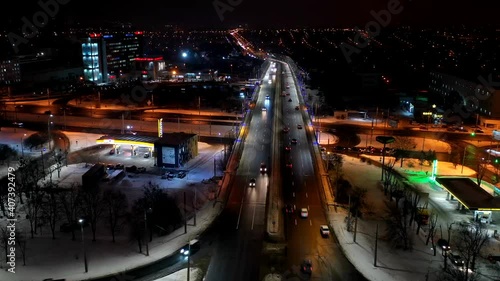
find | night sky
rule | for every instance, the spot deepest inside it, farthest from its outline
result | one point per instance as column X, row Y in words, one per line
column 265, row 13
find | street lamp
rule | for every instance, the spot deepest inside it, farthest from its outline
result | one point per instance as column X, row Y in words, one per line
column 22, row 145
column 48, row 129
column 147, row 211
column 384, row 140
column 83, row 246
column 463, row 159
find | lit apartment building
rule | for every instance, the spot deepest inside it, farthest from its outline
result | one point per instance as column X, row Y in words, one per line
column 481, row 101
column 10, row 72
column 110, row 57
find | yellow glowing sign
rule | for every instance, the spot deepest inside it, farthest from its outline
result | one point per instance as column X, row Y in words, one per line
column 160, row 127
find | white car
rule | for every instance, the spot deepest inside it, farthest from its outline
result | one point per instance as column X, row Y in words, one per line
column 325, row 231
column 304, row 213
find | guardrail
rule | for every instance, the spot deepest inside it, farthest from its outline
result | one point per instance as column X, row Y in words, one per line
column 234, row 158
column 322, row 175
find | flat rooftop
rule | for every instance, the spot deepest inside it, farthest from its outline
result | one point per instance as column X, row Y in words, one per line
column 471, row 195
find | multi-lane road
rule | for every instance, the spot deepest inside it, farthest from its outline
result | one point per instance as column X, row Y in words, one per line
column 241, row 226
column 302, row 190
column 237, row 254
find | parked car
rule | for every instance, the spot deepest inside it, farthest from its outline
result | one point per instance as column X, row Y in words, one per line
column 131, row 169
column 146, row 155
column 68, row 227
column 119, row 166
column 181, row 174
column 112, row 151
column 141, row 169
column 170, row 175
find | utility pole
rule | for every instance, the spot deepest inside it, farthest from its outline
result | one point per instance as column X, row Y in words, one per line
column 355, row 225
column 194, row 207
column 145, row 232
column 199, row 114
column 376, row 242
column 185, row 216
column 214, row 166
column 463, row 159
column 189, row 259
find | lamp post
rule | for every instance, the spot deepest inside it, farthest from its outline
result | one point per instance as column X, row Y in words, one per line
column 48, row 129
column 83, row 246
column 463, row 159
column 22, row 145
column 384, row 140
column 148, row 211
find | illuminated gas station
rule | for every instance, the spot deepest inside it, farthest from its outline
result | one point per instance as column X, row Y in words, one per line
column 171, row 150
column 471, row 196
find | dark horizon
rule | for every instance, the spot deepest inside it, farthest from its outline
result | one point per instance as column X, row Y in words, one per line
column 261, row 14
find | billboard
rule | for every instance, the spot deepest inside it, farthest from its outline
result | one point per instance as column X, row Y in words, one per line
column 168, row 155
column 496, row 135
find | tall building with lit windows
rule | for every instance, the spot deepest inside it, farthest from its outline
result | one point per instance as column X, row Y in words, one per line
column 483, row 101
column 10, row 72
column 110, row 57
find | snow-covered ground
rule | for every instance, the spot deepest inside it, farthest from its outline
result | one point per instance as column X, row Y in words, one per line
column 396, row 264
column 62, row 257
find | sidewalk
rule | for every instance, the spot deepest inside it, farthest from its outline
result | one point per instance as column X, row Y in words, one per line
column 62, row 258
column 395, row 264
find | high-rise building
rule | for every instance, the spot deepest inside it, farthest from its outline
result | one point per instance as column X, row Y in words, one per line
column 477, row 100
column 10, row 72
column 110, row 57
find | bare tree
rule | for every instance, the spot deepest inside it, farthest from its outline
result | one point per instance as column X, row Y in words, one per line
column 413, row 197
column 403, row 145
column 69, row 202
column 58, row 158
column 389, row 175
column 33, row 208
column 136, row 223
column 481, row 168
column 470, row 238
column 6, row 154
column 21, row 242
column 116, row 208
column 92, row 206
column 335, row 161
column 398, row 231
column 432, row 231
column 50, row 206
